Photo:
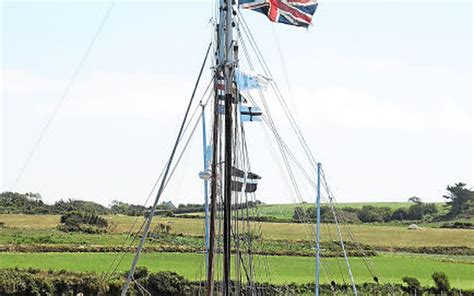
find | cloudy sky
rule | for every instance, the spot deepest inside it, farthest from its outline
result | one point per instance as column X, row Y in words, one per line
column 383, row 93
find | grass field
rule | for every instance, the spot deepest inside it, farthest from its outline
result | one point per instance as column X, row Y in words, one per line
column 387, row 236
column 282, row 269
column 285, row 212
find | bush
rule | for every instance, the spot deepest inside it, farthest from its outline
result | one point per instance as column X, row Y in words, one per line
column 460, row 225
column 400, row 214
column 82, row 222
column 413, row 285
column 441, row 282
column 369, row 214
column 167, row 284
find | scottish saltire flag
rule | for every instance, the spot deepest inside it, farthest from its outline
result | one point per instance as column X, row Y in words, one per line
column 248, row 80
column 290, row 12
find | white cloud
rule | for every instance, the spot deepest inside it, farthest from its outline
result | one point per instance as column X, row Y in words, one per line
column 349, row 108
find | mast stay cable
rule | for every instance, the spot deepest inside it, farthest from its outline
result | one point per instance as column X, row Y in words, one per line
column 164, row 180
column 65, row 94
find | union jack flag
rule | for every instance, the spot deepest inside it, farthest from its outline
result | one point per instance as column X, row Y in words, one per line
column 290, row 12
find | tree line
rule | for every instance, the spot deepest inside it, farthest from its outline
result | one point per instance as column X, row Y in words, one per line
column 460, row 204
column 33, row 204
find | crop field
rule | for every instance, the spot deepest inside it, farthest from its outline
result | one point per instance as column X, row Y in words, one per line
column 281, row 269
column 40, row 230
column 387, row 236
column 284, row 212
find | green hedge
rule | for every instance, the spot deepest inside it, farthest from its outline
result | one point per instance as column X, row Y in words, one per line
column 26, row 282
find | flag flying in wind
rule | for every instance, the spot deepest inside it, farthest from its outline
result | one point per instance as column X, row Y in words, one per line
column 291, row 12
column 246, row 80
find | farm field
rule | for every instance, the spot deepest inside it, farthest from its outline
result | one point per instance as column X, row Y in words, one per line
column 40, row 230
column 282, row 269
column 284, row 212
column 17, row 226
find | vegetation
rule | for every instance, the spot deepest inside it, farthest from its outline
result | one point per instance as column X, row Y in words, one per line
column 283, row 269
column 460, row 201
column 441, row 281
column 38, row 282
column 413, row 285
column 82, row 222
column 32, row 204
column 368, row 213
column 175, row 244
column 28, row 227
column 122, row 208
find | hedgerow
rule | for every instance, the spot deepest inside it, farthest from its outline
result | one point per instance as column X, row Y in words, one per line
column 26, row 282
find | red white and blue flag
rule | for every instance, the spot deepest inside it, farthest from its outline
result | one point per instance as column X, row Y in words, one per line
column 290, row 12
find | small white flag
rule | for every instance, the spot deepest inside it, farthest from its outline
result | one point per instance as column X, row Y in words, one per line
column 249, row 80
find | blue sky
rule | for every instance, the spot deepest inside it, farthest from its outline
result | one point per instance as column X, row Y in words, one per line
column 383, row 92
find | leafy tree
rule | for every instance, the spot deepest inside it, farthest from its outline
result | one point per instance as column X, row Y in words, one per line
column 299, row 214
column 460, row 199
column 61, row 207
column 17, row 203
column 82, row 222
column 370, row 214
column 419, row 210
column 400, row 214
column 122, row 208
column 441, row 282
column 415, row 199
column 413, row 285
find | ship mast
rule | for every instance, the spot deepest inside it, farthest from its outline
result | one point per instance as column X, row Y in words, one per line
column 229, row 77
column 225, row 66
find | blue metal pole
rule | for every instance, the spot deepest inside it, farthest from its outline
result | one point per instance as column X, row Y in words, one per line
column 318, row 222
column 206, row 195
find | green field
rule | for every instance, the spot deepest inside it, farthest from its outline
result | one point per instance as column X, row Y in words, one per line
column 282, row 269
column 386, row 236
column 33, row 230
column 284, row 212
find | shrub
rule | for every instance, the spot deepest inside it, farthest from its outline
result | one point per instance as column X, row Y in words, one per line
column 167, row 284
column 400, row 214
column 441, row 282
column 82, row 222
column 413, row 285
column 461, row 225
column 370, row 214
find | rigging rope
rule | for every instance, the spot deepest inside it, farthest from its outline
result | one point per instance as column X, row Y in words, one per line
column 65, row 94
column 165, row 176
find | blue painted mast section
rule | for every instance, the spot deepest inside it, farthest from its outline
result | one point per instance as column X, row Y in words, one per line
column 206, row 194
column 318, row 225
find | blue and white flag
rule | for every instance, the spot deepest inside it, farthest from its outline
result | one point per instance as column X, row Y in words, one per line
column 250, row 113
column 248, row 80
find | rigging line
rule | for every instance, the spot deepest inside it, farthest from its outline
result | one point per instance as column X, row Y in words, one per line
column 246, row 157
column 275, row 87
column 342, row 245
column 289, row 116
column 261, row 94
column 369, row 264
column 123, row 255
column 284, row 68
column 281, row 140
column 157, row 181
column 165, row 176
column 65, row 94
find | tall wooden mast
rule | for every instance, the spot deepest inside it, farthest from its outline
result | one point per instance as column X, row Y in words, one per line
column 225, row 65
column 229, row 78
